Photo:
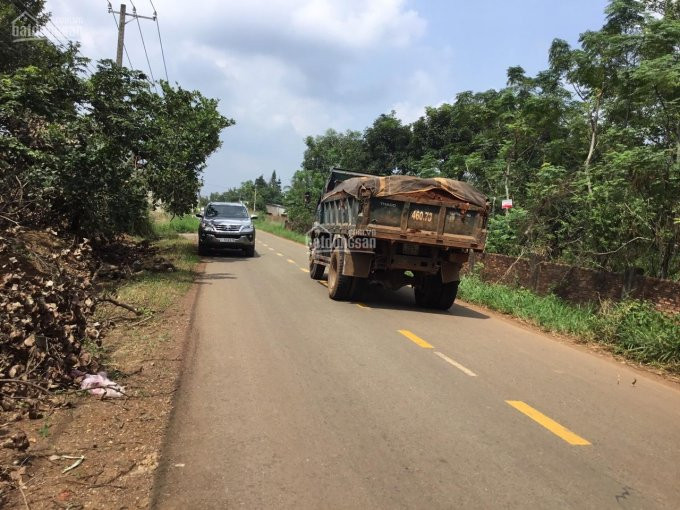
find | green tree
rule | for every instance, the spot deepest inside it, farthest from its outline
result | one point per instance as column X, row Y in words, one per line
column 386, row 144
column 86, row 154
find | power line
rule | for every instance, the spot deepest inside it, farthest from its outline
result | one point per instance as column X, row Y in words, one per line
column 58, row 42
column 141, row 35
column 68, row 39
column 160, row 40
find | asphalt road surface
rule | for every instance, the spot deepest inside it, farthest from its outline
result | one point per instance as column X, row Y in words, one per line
column 291, row 400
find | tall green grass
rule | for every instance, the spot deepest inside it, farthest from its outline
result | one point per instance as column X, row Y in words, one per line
column 170, row 227
column 279, row 230
column 631, row 328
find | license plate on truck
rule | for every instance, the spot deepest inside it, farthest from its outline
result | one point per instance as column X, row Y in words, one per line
column 423, row 217
column 226, row 239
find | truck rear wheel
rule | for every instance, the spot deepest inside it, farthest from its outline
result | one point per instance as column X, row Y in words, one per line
column 433, row 293
column 340, row 286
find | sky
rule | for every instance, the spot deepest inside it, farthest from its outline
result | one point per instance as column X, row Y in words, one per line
column 288, row 69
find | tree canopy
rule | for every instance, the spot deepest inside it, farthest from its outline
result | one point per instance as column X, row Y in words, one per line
column 91, row 153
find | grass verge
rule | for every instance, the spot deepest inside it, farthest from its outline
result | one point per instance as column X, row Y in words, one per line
column 633, row 329
column 156, row 291
column 165, row 227
column 152, row 293
column 281, row 231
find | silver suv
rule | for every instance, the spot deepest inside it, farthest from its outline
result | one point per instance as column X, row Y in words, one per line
column 226, row 225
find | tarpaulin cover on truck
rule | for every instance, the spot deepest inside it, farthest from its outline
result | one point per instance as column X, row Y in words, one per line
column 404, row 184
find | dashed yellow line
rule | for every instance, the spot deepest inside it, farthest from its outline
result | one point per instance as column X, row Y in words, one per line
column 279, row 254
column 323, row 282
column 290, row 261
column 416, row 339
column 270, row 248
column 550, row 424
column 304, row 270
column 361, row 305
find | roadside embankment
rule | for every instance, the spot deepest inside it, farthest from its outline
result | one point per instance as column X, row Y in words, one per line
column 73, row 449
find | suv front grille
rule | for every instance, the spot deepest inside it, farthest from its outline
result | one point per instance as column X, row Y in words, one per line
column 228, row 228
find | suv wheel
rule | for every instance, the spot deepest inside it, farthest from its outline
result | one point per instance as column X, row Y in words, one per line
column 202, row 250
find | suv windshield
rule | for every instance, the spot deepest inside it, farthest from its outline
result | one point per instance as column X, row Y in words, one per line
column 225, row 211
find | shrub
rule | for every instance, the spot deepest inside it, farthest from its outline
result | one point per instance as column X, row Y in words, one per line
column 632, row 328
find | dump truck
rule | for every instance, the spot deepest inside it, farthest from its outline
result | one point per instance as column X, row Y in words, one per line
column 396, row 231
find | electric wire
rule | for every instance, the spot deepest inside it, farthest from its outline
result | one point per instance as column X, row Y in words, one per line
column 57, row 42
column 160, row 40
column 141, row 35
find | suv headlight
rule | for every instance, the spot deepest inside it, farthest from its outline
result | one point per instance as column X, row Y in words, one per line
column 247, row 229
column 208, row 227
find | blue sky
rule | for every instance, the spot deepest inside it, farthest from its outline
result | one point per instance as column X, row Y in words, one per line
column 285, row 69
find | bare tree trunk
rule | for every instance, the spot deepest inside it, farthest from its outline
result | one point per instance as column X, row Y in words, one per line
column 507, row 179
column 594, row 121
column 666, row 256
column 507, row 183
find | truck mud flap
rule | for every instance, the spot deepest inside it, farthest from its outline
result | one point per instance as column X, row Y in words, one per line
column 450, row 271
column 357, row 264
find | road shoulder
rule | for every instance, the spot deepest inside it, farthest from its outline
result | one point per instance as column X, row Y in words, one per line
column 118, row 440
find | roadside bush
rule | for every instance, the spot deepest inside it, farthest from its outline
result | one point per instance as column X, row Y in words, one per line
column 164, row 227
column 641, row 332
column 281, row 231
column 632, row 328
column 548, row 312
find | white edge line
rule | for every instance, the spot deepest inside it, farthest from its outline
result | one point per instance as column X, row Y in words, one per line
column 460, row 367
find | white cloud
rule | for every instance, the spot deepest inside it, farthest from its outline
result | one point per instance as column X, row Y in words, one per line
column 358, row 24
column 352, row 24
column 283, row 69
column 422, row 89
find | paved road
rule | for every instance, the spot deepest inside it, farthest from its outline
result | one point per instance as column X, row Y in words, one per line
column 291, row 400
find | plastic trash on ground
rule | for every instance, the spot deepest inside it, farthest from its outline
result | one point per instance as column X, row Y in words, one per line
column 100, row 384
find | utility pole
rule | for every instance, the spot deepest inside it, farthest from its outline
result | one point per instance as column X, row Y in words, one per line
column 121, row 27
column 121, row 36
column 255, row 201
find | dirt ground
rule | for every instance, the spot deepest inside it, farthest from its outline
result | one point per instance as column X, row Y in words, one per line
column 118, row 440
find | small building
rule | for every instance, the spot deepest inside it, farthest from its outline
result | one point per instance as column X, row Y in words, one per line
column 275, row 210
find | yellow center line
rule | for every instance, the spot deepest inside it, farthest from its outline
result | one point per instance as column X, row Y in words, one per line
column 291, row 261
column 324, row 283
column 416, row 339
column 304, row 270
column 270, row 249
column 550, row 424
column 361, row 305
column 279, row 254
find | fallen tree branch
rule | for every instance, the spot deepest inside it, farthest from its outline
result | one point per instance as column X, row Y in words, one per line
column 6, row 218
column 78, row 462
column 26, row 383
column 23, row 495
column 122, row 305
column 621, row 247
column 507, row 272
